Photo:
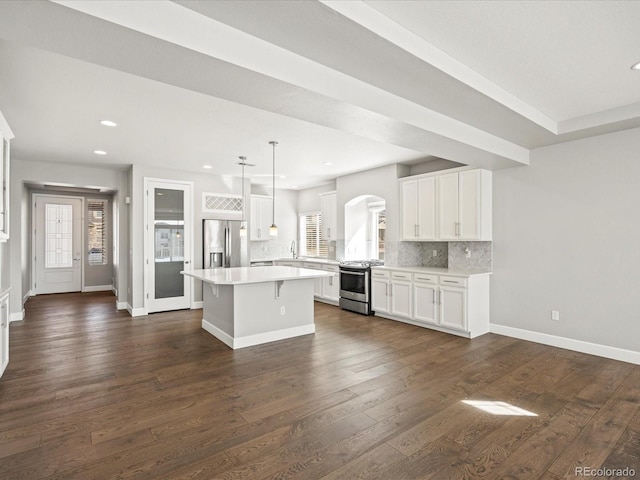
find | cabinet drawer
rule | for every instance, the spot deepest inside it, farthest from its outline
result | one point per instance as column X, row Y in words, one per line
column 425, row 278
column 379, row 274
column 457, row 281
column 313, row 266
column 330, row 268
column 401, row 275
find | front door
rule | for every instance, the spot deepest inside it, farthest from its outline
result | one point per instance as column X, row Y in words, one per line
column 168, row 245
column 57, row 244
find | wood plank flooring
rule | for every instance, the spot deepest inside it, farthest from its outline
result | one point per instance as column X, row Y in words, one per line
column 91, row 393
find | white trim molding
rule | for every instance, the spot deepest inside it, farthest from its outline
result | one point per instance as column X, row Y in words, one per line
column 606, row 351
column 26, row 297
column 121, row 305
column 259, row 338
column 136, row 312
column 16, row 316
column 97, row 288
column 197, row 305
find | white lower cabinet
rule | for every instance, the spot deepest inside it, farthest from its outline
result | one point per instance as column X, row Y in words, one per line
column 331, row 285
column 401, row 294
column 451, row 303
column 380, row 291
column 4, row 332
column 425, row 301
column 326, row 289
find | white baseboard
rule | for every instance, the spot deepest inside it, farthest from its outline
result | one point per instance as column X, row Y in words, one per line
column 197, row 305
column 26, row 297
column 16, row 316
column 121, row 305
column 114, row 290
column 135, row 312
column 259, row 338
column 613, row 353
column 97, row 288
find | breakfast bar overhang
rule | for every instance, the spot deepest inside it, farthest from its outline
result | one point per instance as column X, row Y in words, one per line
column 245, row 306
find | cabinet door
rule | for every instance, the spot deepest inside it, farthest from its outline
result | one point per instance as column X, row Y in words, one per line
column 469, row 205
column 448, row 206
column 4, row 334
column 331, row 288
column 427, row 208
column 425, row 303
column 380, row 295
column 401, row 298
column 453, row 308
column 328, row 209
column 260, row 218
column 409, row 192
column 317, row 287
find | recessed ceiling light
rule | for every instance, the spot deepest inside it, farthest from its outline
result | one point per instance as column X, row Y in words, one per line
column 207, row 166
column 328, row 163
column 108, row 123
column 283, row 176
column 635, row 66
column 99, row 152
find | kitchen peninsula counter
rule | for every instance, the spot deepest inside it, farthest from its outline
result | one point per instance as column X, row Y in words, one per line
column 246, row 306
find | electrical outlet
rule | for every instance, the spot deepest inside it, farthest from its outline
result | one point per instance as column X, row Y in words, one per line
column 467, row 253
column 435, row 253
column 555, row 315
column 282, row 310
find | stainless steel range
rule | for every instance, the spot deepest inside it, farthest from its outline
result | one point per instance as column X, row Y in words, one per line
column 355, row 285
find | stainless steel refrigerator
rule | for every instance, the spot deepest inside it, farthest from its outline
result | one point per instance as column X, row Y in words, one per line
column 222, row 245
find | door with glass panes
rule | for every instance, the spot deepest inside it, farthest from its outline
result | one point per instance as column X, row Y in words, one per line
column 57, row 244
column 168, row 245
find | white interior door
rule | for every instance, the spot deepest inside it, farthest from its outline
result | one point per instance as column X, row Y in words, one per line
column 169, row 234
column 57, row 244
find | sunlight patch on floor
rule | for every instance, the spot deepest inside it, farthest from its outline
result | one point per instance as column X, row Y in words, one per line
column 499, row 408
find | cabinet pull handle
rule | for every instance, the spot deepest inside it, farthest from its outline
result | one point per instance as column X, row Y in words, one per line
column 328, row 232
column 331, row 281
column 386, row 289
column 259, row 233
column 449, row 281
column 434, row 296
column 416, row 230
column 457, row 229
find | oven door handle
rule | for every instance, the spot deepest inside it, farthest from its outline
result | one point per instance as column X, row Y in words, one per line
column 352, row 273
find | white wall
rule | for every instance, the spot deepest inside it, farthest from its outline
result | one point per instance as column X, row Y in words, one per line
column 309, row 198
column 42, row 172
column 566, row 236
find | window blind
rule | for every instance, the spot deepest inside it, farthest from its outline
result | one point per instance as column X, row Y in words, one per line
column 97, row 232
column 311, row 242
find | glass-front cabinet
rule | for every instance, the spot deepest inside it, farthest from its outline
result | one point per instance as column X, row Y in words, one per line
column 5, row 137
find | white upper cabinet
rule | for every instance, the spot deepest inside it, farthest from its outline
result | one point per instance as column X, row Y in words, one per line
column 464, row 200
column 260, row 217
column 419, row 209
column 329, row 212
column 447, row 206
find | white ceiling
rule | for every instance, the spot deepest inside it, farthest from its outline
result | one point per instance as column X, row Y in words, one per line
column 359, row 84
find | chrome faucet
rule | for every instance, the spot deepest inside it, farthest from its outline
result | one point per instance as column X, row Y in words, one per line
column 293, row 249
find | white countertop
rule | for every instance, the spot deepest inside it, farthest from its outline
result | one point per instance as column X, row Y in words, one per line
column 243, row 275
column 435, row 270
column 308, row 260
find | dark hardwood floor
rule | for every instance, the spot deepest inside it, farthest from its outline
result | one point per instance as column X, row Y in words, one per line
column 91, row 393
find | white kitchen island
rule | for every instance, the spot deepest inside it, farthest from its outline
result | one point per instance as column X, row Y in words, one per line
column 245, row 306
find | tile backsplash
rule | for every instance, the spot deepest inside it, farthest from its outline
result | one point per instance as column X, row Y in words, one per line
column 448, row 254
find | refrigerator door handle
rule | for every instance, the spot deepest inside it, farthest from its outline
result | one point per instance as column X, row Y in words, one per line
column 227, row 248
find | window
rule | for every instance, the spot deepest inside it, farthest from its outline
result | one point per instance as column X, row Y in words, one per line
column 311, row 245
column 97, row 232
column 58, row 252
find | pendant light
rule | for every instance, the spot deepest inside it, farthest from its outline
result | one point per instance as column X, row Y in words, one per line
column 243, row 223
column 273, row 229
